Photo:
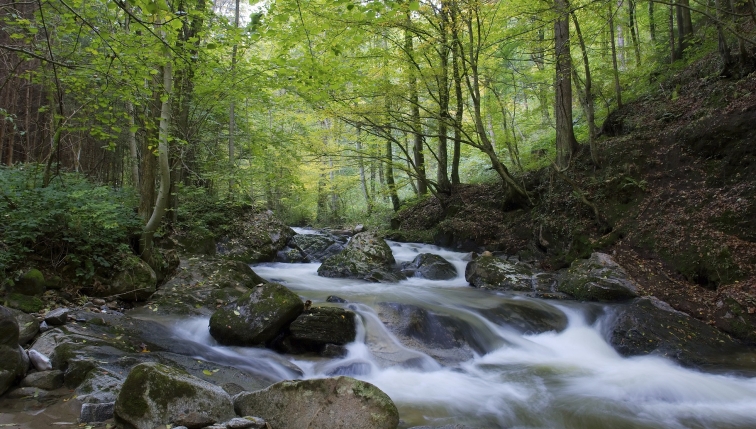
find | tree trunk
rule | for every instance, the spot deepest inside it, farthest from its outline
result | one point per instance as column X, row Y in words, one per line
column 566, row 145
column 231, row 113
column 651, row 21
column 363, row 180
column 134, row 156
column 588, row 97
column 442, row 175
column 417, row 150
column 633, row 31
column 617, row 88
column 458, row 115
column 390, row 176
column 671, row 24
column 161, row 202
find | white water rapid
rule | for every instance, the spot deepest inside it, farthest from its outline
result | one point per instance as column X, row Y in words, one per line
column 491, row 374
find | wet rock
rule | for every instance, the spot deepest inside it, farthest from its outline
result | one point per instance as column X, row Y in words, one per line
column 650, row 326
column 329, row 403
column 526, row 316
column 155, row 394
column 316, row 247
column 257, row 317
column 57, row 317
column 44, row 327
column 351, row 369
column 28, row 326
column 194, row 420
column 431, row 267
column 447, row 339
column 164, row 263
column 319, row 326
column 28, row 392
column 99, row 386
column 77, row 372
column 9, row 331
column 201, row 285
column 12, row 366
column 333, row 351
column 598, row 278
column 47, row 380
column 336, row 299
column 32, row 283
column 246, row 423
column 367, row 257
column 255, row 239
column 490, row 272
column 136, row 281
column 91, row 413
column 39, row 361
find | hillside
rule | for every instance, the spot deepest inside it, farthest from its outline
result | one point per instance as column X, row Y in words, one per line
column 676, row 185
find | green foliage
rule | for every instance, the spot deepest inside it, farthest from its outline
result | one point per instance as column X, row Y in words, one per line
column 203, row 214
column 72, row 222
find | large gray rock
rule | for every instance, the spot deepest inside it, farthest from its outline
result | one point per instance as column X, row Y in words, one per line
column 136, row 281
column 57, row 317
column 315, row 328
column 157, row 395
column 526, row 316
column 8, row 328
column 367, row 257
column 650, row 326
column 431, row 267
column 28, row 326
column 256, row 317
column 96, row 412
column 12, row 364
column 202, row 284
column 598, row 278
column 491, row 272
column 329, row 403
column 255, row 239
column 316, row 247
column 47, row 380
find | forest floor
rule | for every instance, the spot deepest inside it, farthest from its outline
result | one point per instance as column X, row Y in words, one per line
column 677, row 184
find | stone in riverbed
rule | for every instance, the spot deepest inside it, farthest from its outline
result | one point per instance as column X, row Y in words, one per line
column 157, row 395
column 47, row 380
column 91, row 413
column 598, row 278
column 491, row 272
column 28, row 326
column 328, row 403
column 57, row 317
column 320, row 326
column 257, row 317
column 650, row 326
column 367, row 257
column 431, row 267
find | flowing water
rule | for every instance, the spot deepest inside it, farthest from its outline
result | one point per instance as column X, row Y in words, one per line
column 498, row 375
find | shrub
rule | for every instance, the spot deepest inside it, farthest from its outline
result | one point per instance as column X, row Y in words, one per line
column 72, row 222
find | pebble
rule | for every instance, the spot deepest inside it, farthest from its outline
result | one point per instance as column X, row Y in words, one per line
column 246, row 423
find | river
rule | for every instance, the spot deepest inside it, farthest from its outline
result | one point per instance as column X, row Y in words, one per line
column 473, row 369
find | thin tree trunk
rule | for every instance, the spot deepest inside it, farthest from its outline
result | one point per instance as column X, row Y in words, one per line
column 417, row 149
column 231, row 115
column 671, row 24
column 390, row 176
column 363, row 180
column 617, row 88
column 458, row 115
column 134, row 156
column 633, row 32
column 588, row 97
column 442, row 175
column 161, row 202
column 651, row 21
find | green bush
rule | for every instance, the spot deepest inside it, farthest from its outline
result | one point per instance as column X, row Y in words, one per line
column 72, row 222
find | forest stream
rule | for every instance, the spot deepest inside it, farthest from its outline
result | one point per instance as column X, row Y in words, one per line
column 495, row 374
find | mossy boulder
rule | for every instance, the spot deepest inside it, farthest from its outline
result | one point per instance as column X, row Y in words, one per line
column 8, row 327
column 257, row 316
column 328, row 403
column 32, row 283
column 492, row 272
column 598, row 278
column 527, row 316
column 157, row 395
column 135, row 281
column 366, row 256
column 25, row 303
column 256, row 238
column 319, row 326
column 202, row 284
column 431, row 267
column 650, row 326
